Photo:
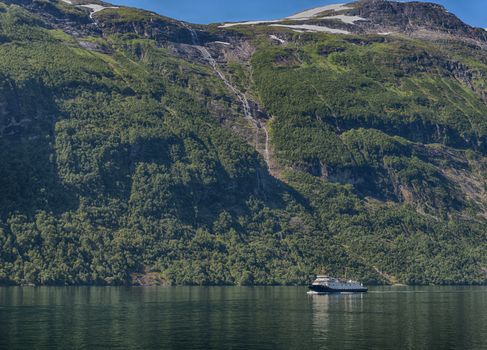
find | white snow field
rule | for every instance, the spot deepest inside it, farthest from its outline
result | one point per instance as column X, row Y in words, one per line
column 96, row 8
column 311, row 28
column 307, row 15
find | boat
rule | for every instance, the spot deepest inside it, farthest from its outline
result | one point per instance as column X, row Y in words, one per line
column 326, row 285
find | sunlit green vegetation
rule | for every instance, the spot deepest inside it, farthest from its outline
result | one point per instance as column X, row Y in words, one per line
column 112, row 162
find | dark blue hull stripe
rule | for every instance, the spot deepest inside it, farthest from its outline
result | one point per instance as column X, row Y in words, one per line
column 323, row 289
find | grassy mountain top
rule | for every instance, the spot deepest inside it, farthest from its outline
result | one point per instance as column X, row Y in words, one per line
column 261, row 155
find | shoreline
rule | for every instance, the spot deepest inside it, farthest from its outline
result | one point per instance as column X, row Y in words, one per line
column 5, row 286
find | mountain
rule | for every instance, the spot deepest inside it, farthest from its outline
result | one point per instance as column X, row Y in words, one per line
column 138, row 149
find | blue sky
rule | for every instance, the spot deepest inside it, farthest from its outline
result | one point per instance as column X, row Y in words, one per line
column 473, row 12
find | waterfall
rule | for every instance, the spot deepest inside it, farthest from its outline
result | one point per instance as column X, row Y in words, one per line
column 240, row 95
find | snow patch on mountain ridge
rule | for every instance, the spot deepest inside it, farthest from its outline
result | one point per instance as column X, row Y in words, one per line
column 97, row 8
column 311, row 28
column 249, row 23
column 93, row 7
column 346, row 19
column 307, row 15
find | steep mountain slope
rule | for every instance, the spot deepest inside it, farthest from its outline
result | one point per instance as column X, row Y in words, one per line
column 140, row 149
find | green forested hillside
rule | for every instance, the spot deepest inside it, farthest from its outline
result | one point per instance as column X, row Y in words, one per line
column 124, row 155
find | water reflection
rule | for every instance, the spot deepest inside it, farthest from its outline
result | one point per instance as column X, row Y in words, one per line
column 405, row 318
column 242, row 318
column 336, row 315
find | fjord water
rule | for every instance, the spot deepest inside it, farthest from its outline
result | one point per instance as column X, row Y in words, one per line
column 242, row 318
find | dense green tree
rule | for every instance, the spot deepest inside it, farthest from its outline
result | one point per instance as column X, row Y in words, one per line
column 113, row 162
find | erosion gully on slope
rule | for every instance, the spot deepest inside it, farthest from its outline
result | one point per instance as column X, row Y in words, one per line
column 240, row 95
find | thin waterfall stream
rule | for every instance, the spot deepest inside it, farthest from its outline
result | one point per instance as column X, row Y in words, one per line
column 240, row 95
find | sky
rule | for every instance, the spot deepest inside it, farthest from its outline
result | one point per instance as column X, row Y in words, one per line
column 473, row 12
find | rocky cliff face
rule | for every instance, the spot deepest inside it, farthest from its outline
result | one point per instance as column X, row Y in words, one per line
column 411, row 17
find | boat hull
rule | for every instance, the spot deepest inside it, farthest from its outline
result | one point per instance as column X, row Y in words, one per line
column 326, row 290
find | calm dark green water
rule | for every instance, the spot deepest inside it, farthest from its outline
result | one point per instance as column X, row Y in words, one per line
column 242, row 318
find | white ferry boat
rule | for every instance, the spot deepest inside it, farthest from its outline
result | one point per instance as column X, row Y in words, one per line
column 325, row 285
